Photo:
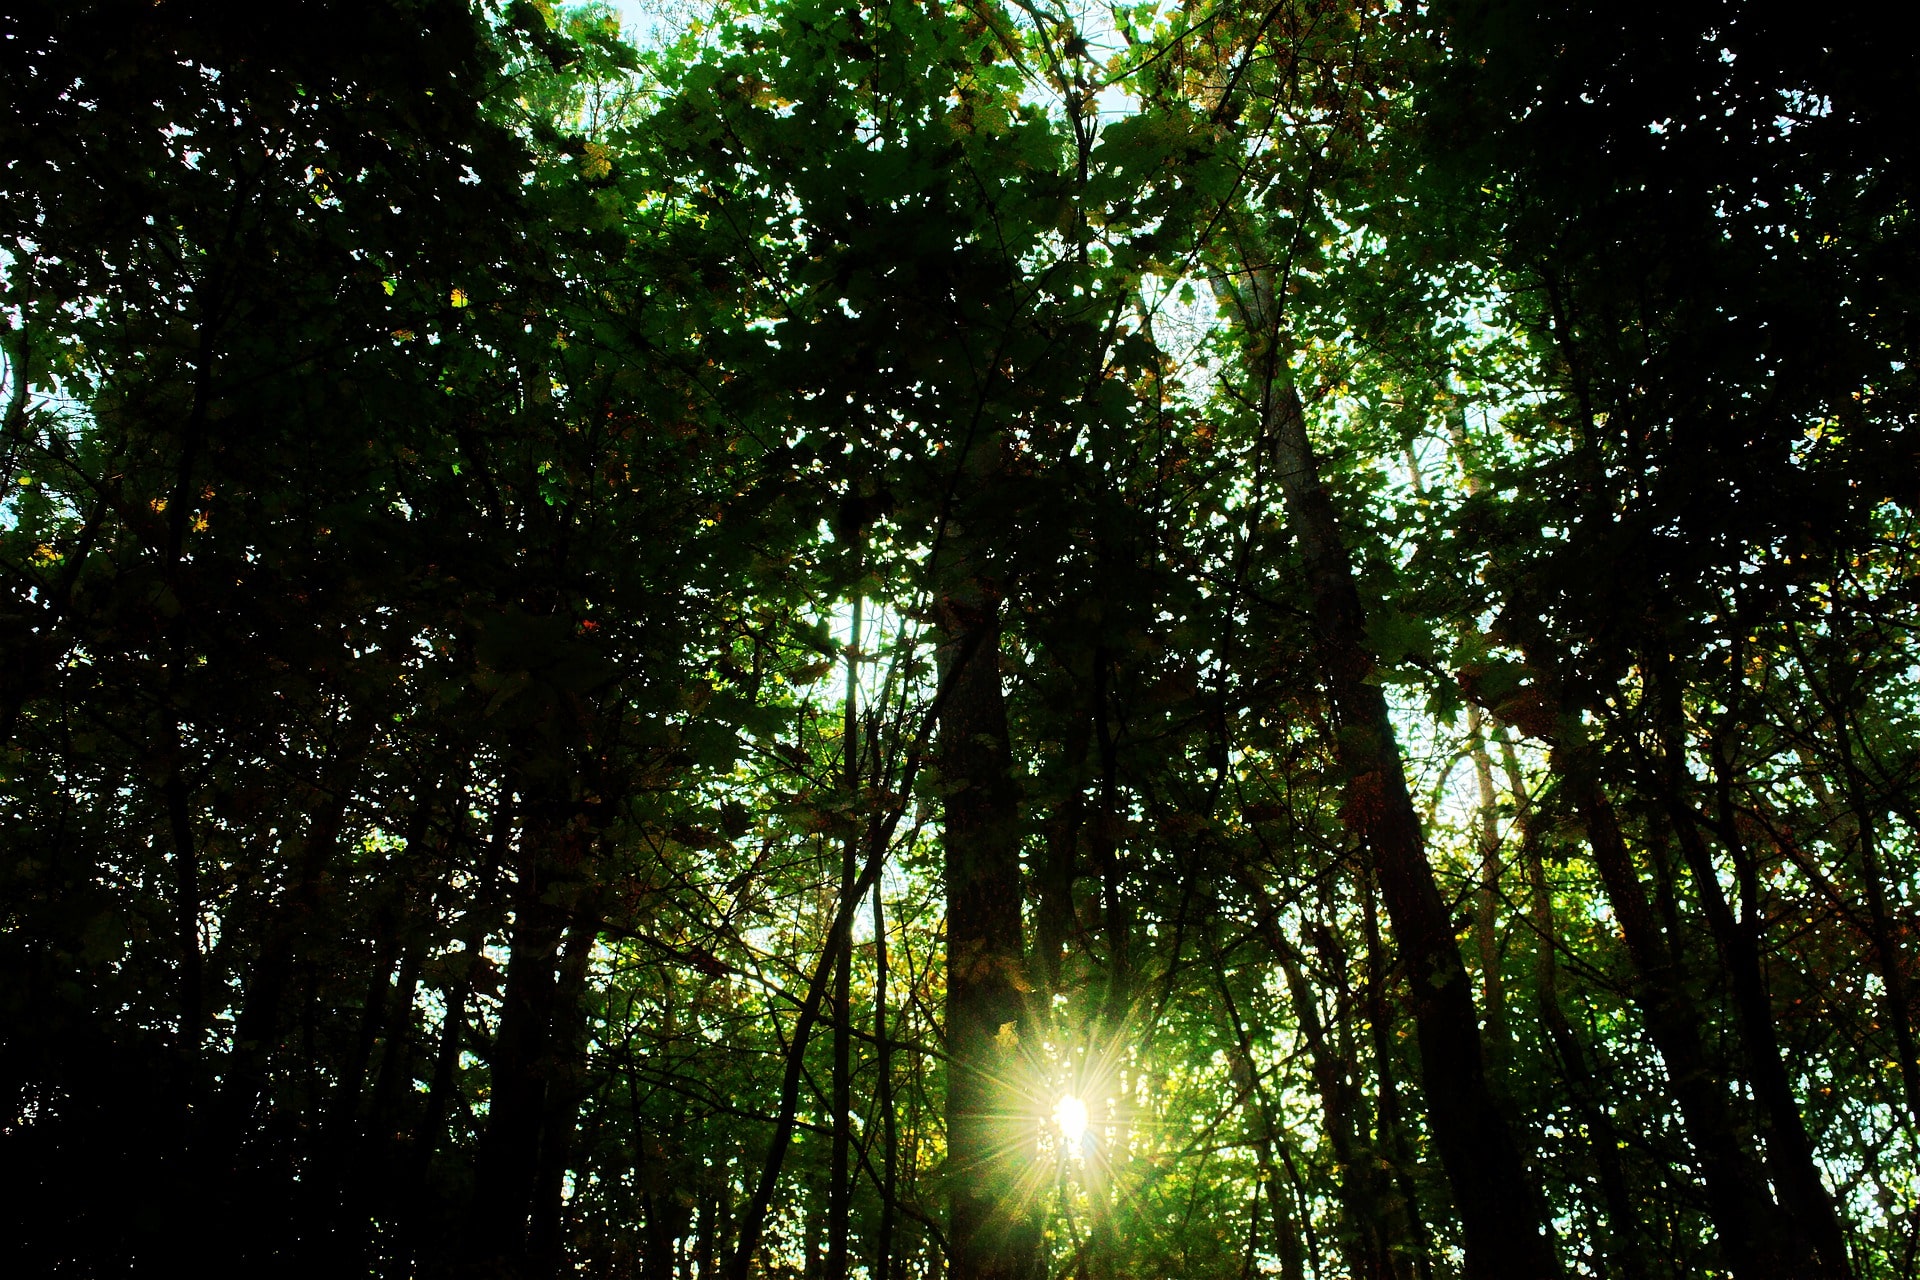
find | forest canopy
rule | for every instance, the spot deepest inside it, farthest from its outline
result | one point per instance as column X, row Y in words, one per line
column 1013, row 640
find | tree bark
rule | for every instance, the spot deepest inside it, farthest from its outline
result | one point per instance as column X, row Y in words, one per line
column 1486, row 910
column 1857, row 820
column 1743, row 1212
column 1795, row 1177
column 1627, row 1252
column 882, row 1268
column 840, row 1174
column 186, row 879
column 290, row 922
column 475, row 924
column 507, row 1162
column 992, row 1234
column 1054, row 916
column 1391, row 1130
column 1363, row 1231
column 566, row 1089
column 1262, row 1130
column 1500, row 1210
column 1809, row 1208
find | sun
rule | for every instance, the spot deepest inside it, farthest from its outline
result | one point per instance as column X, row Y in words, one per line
column 1071, row 1115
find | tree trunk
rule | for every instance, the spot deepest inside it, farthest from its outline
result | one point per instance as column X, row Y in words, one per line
column 186, row 879
column 1054, row 916
column 1486, row 910
column 1366, row 1236
column 475, row 925
column 1391, row 1132
column 1262, row 1130
column 290, row 921
column 992, row 1233
column 1500, row 1210
column 706, row 1226
column 566, row 1089
column 840, row 1173
column 1796, row 1179
column 1363, row 1232
column 1744, row 1215
column 1627, row 1252
column 1857, row 821
column 507, row 1162
column 1105, row 847
column 882, row 1264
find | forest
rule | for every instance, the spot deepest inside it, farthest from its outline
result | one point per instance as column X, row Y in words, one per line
column 1001, row 639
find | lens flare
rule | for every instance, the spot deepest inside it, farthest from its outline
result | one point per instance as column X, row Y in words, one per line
column 1071, row 1115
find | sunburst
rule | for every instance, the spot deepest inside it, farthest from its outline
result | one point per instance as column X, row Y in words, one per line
column 1064, row 1122
column 1070, row 1117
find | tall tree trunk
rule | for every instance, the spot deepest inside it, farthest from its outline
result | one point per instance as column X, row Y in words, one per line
column 840, row 1173
column 659, row 1232
column 1743, row 1212
column 1790, row 1161
column 1486, row 910
column 1627, row 1252
column 351, row 1192
column 1795, row 1177
column 566, row 1089
column 1105, row 847
column 882, row 1265
column 1391, row 1136
column 992, row 1232
column 1262, row 1129
column 706, row 1226
column 290, row 921
column 375, row 1179
column 880, row 832
column 1366, row 1236
column 186, row 908
column 189, row 1098
column 1363, row 1231
column 1501, row 1214
column 507, row 1162
column 341, row 1142
column 1855, row 824
column 1054, row 916
column 475, row 925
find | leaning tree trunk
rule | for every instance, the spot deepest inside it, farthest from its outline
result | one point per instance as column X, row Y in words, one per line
column 1744, row 1215
column 1790, row 1157
column 1500, row 1217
